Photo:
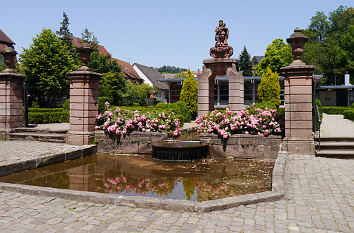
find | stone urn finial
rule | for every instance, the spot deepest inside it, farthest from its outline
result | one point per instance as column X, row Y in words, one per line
column 9, row 59
column 85, row 51
column 297, row 41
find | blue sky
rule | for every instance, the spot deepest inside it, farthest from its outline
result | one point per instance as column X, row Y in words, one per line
column 163, row 32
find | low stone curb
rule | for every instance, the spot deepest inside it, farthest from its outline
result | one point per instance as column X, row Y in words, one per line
column 165, row 204
column 46, row 160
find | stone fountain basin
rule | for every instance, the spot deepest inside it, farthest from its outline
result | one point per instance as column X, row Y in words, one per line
column 171, row 150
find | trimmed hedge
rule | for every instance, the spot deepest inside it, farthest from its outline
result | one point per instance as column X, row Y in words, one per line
column 48, row 117
column 335, row 110
column 45, row 109
column 180, row 109
column 349, row 114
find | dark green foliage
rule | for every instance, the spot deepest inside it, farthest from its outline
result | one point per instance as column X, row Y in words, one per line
column 103, row 64
column 180, row 109
column 66, row 105
column 66, row 36
column 46, row 63
column 47, row 115
column 171, row 69
column 88, row 37
column 244, row 62
column 101, row 103
column 114, row 86
column 35, row 110
column 320, row 111
column 269, row 88
column 189, row 93
column 349, row 114
column 335, row 110
column 331, row 45
column 277, row 55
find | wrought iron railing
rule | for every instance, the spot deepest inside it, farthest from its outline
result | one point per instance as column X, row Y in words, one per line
column 318, row 128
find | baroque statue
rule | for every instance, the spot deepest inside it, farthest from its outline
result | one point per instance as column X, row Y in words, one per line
column 221, row 49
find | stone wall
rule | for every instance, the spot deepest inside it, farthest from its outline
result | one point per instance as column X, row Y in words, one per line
column 244, row 146
column 135, row 143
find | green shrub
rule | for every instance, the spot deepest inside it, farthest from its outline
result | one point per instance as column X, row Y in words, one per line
column 180, row 109
column 349, row 114
column 48, row 117
column 66, row 105
column 335, row 110
column 189, row 93
column 352, row 105
column 269, row 88
column 266, row 104
column 320, row 110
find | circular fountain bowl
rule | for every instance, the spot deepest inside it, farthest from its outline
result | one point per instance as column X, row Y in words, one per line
column 179, row 150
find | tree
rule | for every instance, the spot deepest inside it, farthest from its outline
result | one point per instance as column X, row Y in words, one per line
column 88, row 37
column 244, row 61
column 171, row 69
column 333, row 55
column 277, row 55
column 66, row 36
column 269, row 88
column 114, row 86
column 46, row 63
column 102, row 63
column 189, row 93
column 319, row 26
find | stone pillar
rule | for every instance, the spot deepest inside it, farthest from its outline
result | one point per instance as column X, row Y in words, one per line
column 83, row 101
column 220, row 67
column 298, row 100
column 11, row 95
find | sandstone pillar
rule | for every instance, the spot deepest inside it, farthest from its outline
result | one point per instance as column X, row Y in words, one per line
column 83, row 101
column 11, row 95
column 298, row 100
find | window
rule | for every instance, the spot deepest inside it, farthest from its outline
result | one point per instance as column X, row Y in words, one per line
column 1, row 60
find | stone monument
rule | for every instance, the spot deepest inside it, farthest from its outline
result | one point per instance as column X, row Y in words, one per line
column 11, row 95
column 220, row 65
column 298, row 99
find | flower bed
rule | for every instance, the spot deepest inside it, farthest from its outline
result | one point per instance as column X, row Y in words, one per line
column 247, row 121
column 133, row 131
column 249, row 133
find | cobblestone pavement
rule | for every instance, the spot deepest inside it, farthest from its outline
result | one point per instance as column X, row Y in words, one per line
column 319, row 198
column 15, row 151
column 341, row 128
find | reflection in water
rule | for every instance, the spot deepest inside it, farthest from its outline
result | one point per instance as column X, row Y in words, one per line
column 207, row 179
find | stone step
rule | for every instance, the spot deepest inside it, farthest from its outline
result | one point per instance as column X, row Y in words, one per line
column 43, row 137
column 337, row 145
column 36, row 130
column 345, row 154
column 336, row 139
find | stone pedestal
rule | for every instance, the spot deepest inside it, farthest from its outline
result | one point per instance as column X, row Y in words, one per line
column 11, row 101
column 298, row 108
column 220, row 67
column 83, row 106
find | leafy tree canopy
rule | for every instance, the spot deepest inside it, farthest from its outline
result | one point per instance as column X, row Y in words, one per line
column 171, row 69
column 244, row 61
column 277, row 55
column 46, row 63
column 88, row 37
column 331, row 45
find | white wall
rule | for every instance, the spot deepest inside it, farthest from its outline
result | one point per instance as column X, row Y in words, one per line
column 142, row 75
